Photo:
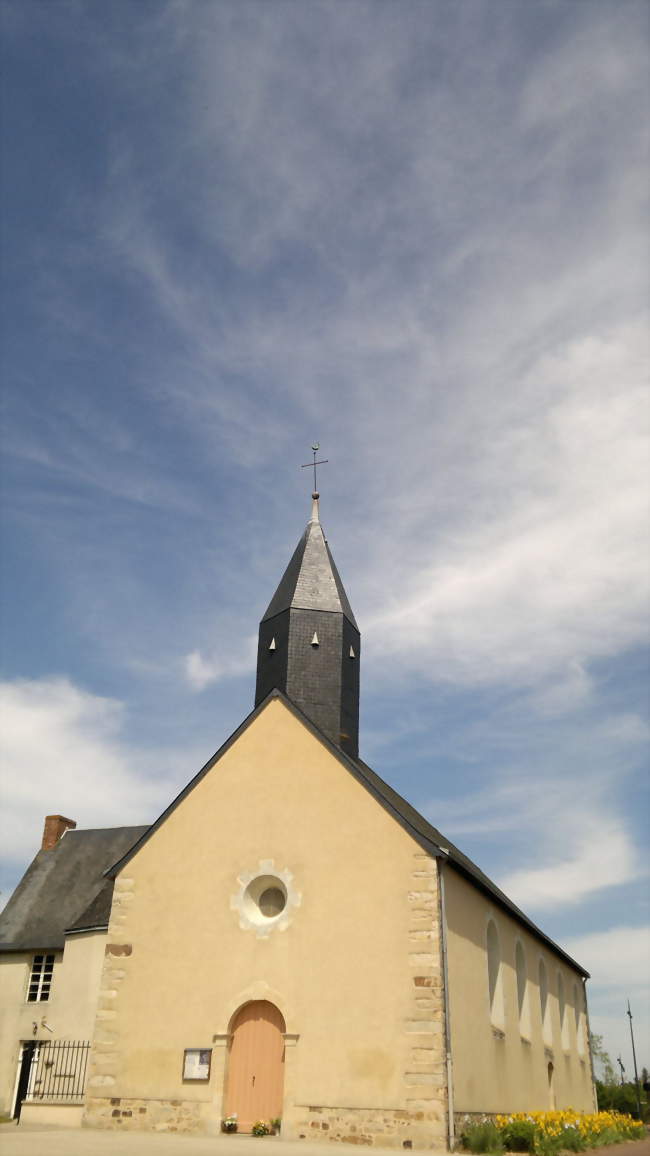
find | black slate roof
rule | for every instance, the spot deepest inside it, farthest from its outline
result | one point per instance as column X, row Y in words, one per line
column 311, row 580
column 64, row 888
column 98, row 911
column 421, row 830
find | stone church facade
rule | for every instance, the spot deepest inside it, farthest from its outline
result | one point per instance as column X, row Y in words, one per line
column 291, row 940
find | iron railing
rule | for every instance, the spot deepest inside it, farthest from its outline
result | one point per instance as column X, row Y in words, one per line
column 58, row 1070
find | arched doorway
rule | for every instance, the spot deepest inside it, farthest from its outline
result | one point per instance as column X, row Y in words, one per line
column 256, row 1064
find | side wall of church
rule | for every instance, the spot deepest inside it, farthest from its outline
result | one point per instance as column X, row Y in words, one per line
column 506, row 1057
column 354, row 965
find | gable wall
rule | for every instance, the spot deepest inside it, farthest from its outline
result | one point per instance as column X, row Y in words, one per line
column 498, row 1067
column 356, row 973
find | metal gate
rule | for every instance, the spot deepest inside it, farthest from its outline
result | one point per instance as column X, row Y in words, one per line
column 52, row 1070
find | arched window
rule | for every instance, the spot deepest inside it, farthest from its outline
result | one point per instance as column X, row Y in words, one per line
column 551, row 1086
column 522, row 991
column 543, row 1002
column 564, row 1019
column 495, row 983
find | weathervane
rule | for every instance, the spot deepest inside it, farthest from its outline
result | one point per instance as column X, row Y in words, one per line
column 312, row 465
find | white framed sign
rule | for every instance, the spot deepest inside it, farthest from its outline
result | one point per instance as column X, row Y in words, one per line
column 196, row 1063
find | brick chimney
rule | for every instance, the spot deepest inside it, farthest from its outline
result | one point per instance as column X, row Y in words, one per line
column 55, row 825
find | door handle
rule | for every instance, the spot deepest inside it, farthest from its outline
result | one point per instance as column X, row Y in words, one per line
column 253, row 1081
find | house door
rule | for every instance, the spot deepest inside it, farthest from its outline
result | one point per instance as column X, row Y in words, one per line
column 256, row 1065
column 29, row 1056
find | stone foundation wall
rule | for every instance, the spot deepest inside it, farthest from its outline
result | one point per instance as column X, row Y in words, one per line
column 144, row 1115
column 368, row 1127
column 463, row 1118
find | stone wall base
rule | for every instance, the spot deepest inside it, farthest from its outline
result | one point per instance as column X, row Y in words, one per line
column 128, row 1115
column 421, row 1127
column 463, row 1118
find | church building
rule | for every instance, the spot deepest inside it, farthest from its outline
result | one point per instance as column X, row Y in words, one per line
column 290, row 941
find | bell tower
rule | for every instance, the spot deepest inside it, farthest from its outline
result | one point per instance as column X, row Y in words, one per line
column 309, row 642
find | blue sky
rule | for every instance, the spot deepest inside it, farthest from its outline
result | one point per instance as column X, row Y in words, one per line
column 417, row 233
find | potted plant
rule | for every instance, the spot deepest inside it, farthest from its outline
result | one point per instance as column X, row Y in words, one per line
column 276, row 1124
column 261, row 1128
column 229, row 1123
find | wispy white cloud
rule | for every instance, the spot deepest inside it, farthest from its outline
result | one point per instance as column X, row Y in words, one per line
column 619, row 956
column 597, row 853
column 551, row 576
column 500, row 354
column 559, row 812
column 202, row 670
column 618, row 959
column 63, row 750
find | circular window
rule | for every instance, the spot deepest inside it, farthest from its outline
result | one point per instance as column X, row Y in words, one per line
column 265, row 898
column 272, row 902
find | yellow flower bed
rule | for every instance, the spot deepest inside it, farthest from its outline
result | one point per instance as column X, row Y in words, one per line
column 590, row 1128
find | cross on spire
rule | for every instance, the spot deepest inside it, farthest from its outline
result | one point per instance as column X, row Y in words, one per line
column 312, row 465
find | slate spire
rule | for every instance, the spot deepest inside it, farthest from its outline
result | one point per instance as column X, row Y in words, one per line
column 309, row 642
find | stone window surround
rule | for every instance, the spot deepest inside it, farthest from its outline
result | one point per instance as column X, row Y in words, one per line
column 250, row 918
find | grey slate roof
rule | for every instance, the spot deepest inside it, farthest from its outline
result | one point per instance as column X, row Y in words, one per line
column 98, row 911
column 64, row 887
column 418, row 827
column 311, row 580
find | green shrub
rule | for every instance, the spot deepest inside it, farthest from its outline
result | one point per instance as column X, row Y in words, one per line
column 546, row 1145
column 609, row 1136
column 519, row 1136
column 619, row 1098
column 571, row 1140
column 482, row 1137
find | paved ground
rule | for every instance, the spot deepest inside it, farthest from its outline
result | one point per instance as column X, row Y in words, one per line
column 35, row 1140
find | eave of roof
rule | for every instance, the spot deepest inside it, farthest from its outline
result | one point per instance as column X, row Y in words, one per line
column 84, row 930
column 429, row 838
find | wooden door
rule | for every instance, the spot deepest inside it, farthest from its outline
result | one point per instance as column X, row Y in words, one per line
column 256, row 1065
